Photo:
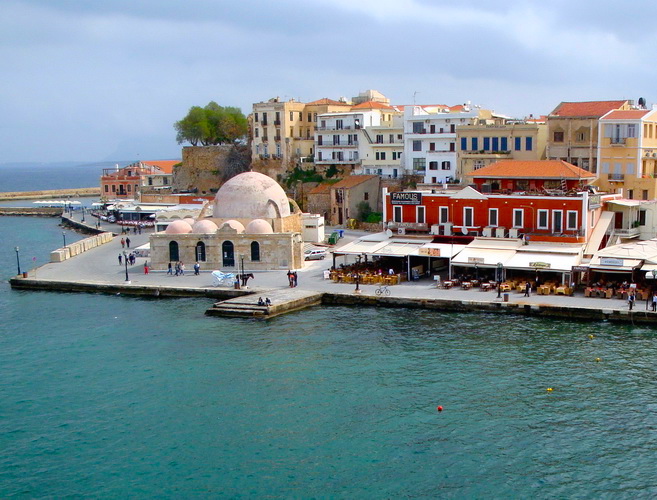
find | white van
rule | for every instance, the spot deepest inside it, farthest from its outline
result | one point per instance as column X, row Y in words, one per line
column 314, row 254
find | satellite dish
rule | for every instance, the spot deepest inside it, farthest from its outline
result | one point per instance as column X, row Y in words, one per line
column 388, row 233
column 464, row 230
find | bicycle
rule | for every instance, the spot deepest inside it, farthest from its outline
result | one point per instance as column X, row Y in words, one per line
column 382, row 290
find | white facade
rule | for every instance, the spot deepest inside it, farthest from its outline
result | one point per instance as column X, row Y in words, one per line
column 338, row 137
column 430, row 140
column 382, row 148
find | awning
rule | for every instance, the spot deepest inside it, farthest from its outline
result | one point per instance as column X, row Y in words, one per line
column 558, row 262
column 398, row 249
column 625, row 203
column 445, row 250
column 614, row 265
column 360, row 247
column 482, row 257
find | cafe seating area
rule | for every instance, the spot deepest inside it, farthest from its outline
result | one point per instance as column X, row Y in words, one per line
column 367, row 274
column 615, row 290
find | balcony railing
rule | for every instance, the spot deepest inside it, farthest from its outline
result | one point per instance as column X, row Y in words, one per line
column 617, row 141
column 616, row 177
column 632, row 232
column 277, row 122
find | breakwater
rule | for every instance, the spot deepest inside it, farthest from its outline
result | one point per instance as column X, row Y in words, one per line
column 31, row 211
column 50, row 194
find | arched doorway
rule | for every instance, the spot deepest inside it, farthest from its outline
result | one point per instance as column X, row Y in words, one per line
column 200, row 252
column 228, row 252
column 174, row 253
column 255, row 251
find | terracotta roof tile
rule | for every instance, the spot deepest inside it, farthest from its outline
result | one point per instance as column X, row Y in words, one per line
column 535, row 169
column 165, row 165
column 353, row 180
column 589, row 108
column 630, row 114
column 321, row 189
column 372, row 105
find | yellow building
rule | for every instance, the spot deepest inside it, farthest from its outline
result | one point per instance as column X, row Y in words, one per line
column 483, row 144
column 283, row 132
column 573, row 131
column 627, row 152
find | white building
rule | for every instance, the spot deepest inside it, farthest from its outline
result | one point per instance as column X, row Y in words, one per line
column 382, row 145
column 430, row 139
column 338, row 137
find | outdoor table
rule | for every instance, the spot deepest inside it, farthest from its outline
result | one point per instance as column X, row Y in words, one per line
column 448, row 284
column 544, row 290
column 466, row 285
column 505, row 287
column 486, row 287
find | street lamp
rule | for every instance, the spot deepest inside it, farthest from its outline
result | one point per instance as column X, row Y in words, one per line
column 64, row 236
column 125, row 259
column 82, row 214
column 500, row 268
column 18, row 262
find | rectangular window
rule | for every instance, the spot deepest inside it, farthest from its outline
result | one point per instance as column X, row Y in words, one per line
column 106, row 188
column 291, row 116
column 257, row 132
column 486, row 143
column 432, row 146
column 129, row 188
column 452, row 146
column 558, row 136
column 417, row 145
column 518, row 143
column 528, row 143
column 443, row 215
column 492, row 217
column 433, row 129
column 256, row 117
column 630, row 194
column 452, row 129
column 557, row 221
column 518, row 216
column 391, row 138
column 543, row 219
column 644, row 194
column 397, row 213
column 571, row 220
column 338, row 124
column 504, row 146
column 446, row 165
column 433, row 165
column 468, row 216
column 419, row 215
column 631, row 130
column 383, row 155
column 642, row 217
column 320, row 140
column 113, row 188
column 319, row 156
column 310, row 117
column 629, row 168
column 418, row 127
column 496, row 144
column 379, row 139
column 475, row 143
column 419, row 164
column 336, row 140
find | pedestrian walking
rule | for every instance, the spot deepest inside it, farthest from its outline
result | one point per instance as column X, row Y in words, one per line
column 654, row 302
column 120, row 259
column 145, row 267
column 177, row 269
column 127, row 242
column 296, row 278
column 170, row 269
column 290, row 279
column 122, row 243
column 630, row 299
column 528, row 287
column 182, row 269
column 197, row 269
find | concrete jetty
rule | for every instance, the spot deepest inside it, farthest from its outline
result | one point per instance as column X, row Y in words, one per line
column 282, row 301
column 50, row 194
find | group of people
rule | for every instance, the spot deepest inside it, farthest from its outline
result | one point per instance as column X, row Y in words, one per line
column 131, row 258
column 265, row 302
column 136, row 229
column 292, row 278
column 179, row 269
column 125, row 242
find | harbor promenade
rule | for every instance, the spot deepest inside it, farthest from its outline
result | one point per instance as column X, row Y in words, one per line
column 99, row 270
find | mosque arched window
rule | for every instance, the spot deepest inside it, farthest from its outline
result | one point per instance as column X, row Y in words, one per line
column 174, row 252
column 228, row 253
column 255, row 251
column 200, row 251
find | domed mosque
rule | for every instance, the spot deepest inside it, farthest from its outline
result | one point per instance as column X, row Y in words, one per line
column 251, row 222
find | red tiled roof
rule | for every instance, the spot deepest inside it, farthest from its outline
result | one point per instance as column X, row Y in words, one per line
column 353, row 180
column 165, row 165
column 535, row 169
column 372, row 105
column 630, row 114
column 321, row 189
column 327, row 101
column 589, row 108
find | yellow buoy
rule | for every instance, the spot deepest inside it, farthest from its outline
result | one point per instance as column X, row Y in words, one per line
column 598, row 359
column 549, row 389
column 591, row 337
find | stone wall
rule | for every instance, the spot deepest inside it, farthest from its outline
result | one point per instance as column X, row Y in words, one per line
column 62, row 254
column 201, row 169
column 50, row 194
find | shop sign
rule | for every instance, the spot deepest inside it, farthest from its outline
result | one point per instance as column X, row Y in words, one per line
column 580, row 269
column 595, row 201
column 406, row 198
column 431, row 252
column 540, row 265
column 610, row 261
column 475, row 260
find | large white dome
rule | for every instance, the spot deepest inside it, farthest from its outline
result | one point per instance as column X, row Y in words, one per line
column 251, row 195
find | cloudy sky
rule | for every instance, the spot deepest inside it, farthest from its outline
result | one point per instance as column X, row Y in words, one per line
column 105, row 80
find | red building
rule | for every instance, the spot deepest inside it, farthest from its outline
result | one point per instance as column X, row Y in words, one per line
column 539, row 200
column 127, row 182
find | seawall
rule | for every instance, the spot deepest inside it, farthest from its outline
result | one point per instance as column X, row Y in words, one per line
column 50, row 194
column 351, row 299
column 31, row 211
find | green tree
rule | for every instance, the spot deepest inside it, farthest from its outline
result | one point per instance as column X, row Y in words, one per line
column 211, row 125
column 364, row 211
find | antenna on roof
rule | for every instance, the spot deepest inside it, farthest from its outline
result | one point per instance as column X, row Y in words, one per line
column 414, row 94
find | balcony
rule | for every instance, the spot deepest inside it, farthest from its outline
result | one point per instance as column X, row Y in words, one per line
column 277, row 138
column 330, row 161
column 617, row 141
column 264, row 123
column 277, row 122
column 632, row 232
column 616, row 177
column 264, row 138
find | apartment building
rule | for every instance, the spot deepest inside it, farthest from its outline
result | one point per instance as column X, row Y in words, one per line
column 504, row 139
column 430, row 139
column 382, row 145
column 627, row 152
column 573, row 131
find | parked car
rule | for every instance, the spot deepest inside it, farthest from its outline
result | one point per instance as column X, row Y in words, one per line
column 315, row 254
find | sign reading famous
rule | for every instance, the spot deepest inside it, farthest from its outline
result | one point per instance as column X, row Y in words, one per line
column 410, row 198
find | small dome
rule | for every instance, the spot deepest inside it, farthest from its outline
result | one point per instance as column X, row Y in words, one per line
column 189, row 220
column 178, row 227
column 251, row 195
column 236, row 225
column 204, row 226
column 258, row 226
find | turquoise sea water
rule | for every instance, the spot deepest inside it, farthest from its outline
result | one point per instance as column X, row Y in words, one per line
column 110, row 397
